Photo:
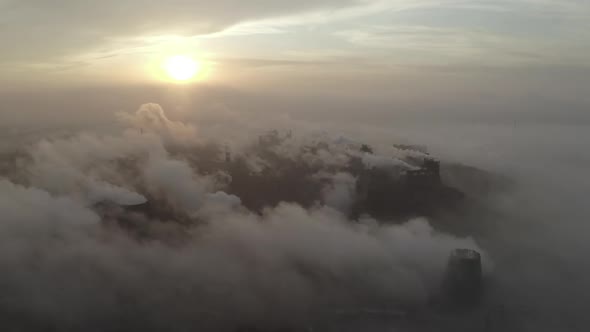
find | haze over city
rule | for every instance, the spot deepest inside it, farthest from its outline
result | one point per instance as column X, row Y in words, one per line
column 273, row 165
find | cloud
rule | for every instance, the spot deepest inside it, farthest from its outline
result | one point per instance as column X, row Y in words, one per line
column 150, row 118
column 67, row 26
column 444, row 45
column 535, row 233
column 210, row 264
column 508, row 33
column 102, row 40
column 340, row 192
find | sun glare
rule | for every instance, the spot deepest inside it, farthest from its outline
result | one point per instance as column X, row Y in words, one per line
column 181, row 68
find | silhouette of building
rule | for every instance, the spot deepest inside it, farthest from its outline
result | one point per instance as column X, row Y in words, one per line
column 464, row 277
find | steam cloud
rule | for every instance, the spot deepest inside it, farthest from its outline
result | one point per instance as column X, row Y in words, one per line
column 76, row 256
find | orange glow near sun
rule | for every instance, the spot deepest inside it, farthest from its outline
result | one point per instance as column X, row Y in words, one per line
column 181, row 68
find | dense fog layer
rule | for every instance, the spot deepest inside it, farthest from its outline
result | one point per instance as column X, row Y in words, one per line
column 156, row 224
column 101, row 229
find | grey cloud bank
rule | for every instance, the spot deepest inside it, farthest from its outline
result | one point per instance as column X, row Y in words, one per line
column 238, row 266
column 72, row 268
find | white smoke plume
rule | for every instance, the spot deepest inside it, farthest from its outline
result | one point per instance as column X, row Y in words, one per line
column 151, row 118
column 68, row 267
column 340, row 191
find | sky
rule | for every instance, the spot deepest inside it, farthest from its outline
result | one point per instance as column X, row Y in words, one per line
column 119, row 40
column 393, row 58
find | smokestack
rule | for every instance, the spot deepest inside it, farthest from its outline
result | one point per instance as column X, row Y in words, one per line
column 464, row 277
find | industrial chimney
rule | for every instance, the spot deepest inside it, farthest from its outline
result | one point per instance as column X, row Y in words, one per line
column 464, row 277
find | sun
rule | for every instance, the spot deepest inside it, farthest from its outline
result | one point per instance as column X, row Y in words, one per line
column 181, row 68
